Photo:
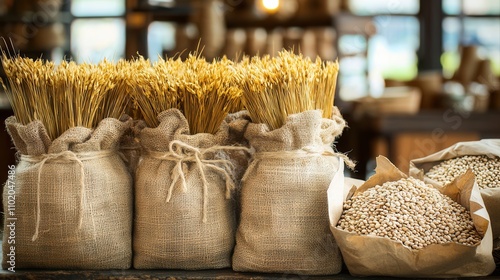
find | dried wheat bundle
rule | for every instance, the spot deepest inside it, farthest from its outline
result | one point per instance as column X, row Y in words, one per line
column 118, row 99
column 275, row 87
column 210, row 91
column 155, row 87
column 125, row 79
column 62, row 96
column 26, row 91
column 205, row 92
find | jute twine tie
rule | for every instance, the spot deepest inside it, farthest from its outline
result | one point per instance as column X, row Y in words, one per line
column 180, row 152
column 306, row 151
column 63, row 157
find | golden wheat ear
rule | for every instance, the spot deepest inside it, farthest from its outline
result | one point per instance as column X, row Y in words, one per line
column 63, row 96
column 287, row 84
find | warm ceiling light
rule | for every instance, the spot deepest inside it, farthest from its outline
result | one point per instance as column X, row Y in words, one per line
column 270, row 5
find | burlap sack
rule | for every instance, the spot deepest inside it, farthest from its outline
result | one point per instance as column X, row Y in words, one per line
column 284, row 216
column 367, row 255
column 184, row 216
column 487, row 147
column 73, row 199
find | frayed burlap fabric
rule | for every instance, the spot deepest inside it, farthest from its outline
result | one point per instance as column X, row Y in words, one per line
column 130, row 147
column 73, row 204
column 184, row 213
column 284, row 225
column 238, row 123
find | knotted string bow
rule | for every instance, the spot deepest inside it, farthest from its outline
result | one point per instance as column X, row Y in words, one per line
column 180, row 152
column 306, row 151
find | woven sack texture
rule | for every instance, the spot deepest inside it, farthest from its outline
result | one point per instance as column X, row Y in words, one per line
column 284, row 223
column 184, row 213
column 73, row 204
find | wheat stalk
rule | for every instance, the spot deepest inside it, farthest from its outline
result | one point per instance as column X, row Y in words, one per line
column 276, row 87
column 62, row 96
column 118, row 99
column 205, row 92
column 155, row 87
column 210, row 91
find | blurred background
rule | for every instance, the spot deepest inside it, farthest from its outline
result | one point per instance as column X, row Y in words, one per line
column 416, row 76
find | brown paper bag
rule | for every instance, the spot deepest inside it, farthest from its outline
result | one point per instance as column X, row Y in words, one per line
column 372, row 255
column 487, row 147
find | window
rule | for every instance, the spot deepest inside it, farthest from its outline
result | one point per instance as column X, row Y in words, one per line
column 98, row 30
column 394, row 47
column 373, row 7
column 95, row 39
column 390, row 54
column 392, row 50
column 97, row 8
column 161, row 38
column 471, row 22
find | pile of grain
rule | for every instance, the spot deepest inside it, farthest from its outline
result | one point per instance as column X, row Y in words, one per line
column 410, row 212
column 486, row 169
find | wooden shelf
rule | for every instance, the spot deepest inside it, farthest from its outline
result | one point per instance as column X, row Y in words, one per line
column 61, row 17
column 241, row 19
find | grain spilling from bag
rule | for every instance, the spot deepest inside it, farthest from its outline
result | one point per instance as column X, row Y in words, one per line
column 486, row 169
column 410, row 212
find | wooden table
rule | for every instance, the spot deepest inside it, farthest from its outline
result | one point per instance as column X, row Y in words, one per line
column 181, row 275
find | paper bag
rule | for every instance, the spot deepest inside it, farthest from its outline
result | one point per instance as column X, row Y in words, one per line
column 372, row 255
column 487, row 147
